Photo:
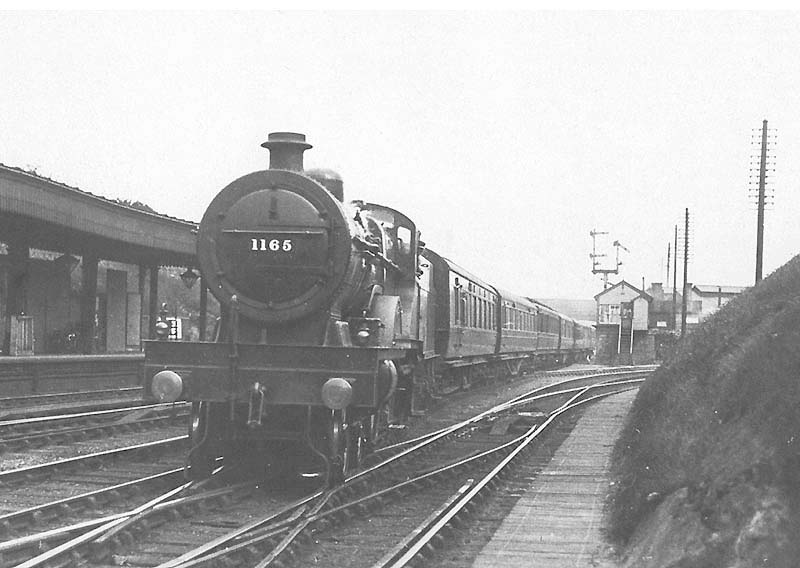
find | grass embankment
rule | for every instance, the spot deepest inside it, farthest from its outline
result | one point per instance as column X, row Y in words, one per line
column 708, row 465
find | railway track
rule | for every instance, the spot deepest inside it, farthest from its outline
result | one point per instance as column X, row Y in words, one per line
column 419, row 545
column 461, row 485
column 270, row 525
column 47, row 470
column 31, row 406
column 38, row 502
column 38, row 432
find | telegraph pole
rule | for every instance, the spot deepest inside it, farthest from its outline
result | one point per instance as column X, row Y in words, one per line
column 675, row 282
column 669, row 253
column 685, row 271
column 762, row 183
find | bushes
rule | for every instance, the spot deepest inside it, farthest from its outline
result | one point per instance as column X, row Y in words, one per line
column 728, row 401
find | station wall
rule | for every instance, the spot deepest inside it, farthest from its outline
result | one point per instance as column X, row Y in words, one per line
column 52, row 297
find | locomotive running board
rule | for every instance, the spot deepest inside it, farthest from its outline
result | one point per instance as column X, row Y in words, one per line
column 289, row 374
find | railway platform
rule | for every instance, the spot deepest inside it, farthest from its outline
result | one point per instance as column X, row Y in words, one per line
column 49, row 374
column 558, row 521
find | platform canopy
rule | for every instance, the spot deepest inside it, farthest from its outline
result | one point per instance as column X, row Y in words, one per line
column 45, row 214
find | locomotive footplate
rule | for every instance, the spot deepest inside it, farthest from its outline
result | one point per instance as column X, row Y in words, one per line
column 285, row 374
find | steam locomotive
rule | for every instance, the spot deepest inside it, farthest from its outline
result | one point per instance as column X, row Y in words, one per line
column 337, row 323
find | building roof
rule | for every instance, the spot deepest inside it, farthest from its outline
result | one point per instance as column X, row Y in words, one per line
column 621, row 283
column 54, row 216
column 716, row 289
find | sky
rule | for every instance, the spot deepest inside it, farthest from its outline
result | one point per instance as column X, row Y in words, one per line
column 507, row 136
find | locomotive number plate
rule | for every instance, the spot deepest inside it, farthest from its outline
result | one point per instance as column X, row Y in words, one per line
column 272, row 245
column 280, row 242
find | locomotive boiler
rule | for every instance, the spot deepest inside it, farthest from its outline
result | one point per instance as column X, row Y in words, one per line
column 319, row 326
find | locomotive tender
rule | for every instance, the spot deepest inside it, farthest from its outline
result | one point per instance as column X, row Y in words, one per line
column 337, row 323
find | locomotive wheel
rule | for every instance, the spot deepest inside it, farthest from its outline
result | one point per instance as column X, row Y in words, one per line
column 356, row 446
column 205, row 433
column 338, row 454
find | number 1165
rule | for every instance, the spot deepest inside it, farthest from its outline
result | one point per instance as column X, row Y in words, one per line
column 274, row 245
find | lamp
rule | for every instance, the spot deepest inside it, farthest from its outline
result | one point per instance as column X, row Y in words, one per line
column 189, row 277
column 67, row 260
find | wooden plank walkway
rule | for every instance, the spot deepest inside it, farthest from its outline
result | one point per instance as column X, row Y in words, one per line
column 557, row 521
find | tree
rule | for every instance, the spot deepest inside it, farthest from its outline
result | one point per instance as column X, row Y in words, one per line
column 184, row 303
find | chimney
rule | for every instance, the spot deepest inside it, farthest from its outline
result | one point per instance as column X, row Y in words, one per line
column 657, row 289
column 286, row 150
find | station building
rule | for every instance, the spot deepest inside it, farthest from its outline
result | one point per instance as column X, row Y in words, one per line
column 78, row 272
column 702, row 300
column 622, row 325
column 705, row 299
column 636, row 326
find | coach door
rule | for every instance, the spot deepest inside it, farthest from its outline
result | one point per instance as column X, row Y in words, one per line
column 460, row 317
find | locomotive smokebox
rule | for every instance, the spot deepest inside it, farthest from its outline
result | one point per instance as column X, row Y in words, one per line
column 286, row 150
column 273, row 244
